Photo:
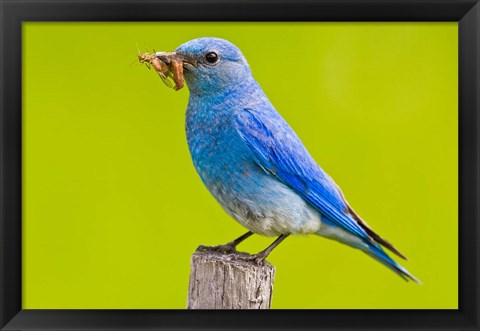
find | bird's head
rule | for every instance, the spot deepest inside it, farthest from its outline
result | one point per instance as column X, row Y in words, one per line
column 210, row 64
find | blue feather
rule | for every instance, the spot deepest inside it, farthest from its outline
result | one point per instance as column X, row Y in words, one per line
column 290, row 162
column 280, row 152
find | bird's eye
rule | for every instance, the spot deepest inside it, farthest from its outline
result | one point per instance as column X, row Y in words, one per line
column 211, row 57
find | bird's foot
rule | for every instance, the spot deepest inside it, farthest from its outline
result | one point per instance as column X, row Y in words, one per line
column 258, row 259
column 224, row 249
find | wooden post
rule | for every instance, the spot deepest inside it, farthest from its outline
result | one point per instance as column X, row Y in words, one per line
column 229, row 281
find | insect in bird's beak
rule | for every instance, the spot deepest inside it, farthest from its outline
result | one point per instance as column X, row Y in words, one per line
column 168, row 64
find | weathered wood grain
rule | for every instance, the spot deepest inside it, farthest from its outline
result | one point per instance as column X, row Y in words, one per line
column 229, row 281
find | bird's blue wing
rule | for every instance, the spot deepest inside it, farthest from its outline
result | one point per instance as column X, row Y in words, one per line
column 279, row 152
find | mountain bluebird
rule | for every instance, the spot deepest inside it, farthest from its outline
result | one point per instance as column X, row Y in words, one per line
column 252, row 161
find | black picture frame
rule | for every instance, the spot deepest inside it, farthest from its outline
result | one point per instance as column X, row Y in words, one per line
column 14, row 12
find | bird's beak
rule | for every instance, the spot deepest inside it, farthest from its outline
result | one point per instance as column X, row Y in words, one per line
column 176, row 62
column 169, row 57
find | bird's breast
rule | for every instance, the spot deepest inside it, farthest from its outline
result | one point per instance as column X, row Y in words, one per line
column 218, row 152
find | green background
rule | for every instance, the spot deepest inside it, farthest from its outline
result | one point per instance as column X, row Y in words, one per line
column 113, row 208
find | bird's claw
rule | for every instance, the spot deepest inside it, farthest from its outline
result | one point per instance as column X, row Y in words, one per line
column 258, row 259
column 224, row 249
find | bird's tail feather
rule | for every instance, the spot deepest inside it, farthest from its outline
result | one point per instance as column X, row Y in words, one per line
column 378, row 254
